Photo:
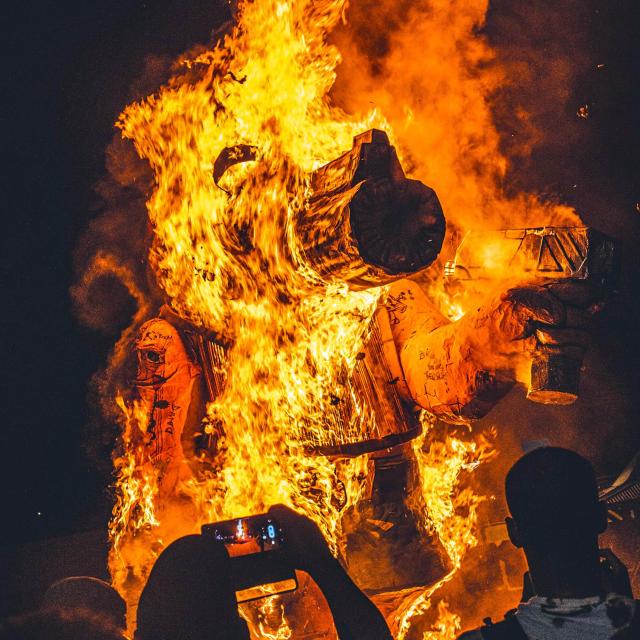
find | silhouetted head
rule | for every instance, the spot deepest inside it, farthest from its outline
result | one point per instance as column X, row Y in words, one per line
column 91, row 594
column 189, row 595
column 59, row 624
column 553, row 499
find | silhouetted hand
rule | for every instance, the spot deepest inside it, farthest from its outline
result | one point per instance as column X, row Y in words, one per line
column 190, row 591
column 615, row 576
column 354, row 615
column 304, row 547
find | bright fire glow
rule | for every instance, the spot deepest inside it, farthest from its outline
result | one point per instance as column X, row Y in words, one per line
column 291, row 334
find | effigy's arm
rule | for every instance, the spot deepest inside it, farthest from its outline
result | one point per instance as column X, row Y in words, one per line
column 459, row 370
column 164, row 381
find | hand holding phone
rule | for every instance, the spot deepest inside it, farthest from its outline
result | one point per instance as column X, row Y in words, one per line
column 306, row 548
column 258, row 566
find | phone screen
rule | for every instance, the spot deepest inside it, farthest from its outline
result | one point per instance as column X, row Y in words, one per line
column 250, row 541
column 245, row 536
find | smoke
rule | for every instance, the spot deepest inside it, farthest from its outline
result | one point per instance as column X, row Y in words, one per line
column 114, row 292
column 545, row 50
column 435, row 77
column 111, row 256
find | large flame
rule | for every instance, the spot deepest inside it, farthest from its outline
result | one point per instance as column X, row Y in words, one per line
column 266, row 87
column 229, row 260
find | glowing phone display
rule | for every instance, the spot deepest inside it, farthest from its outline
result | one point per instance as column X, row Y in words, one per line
column 244, row 536
column 257, row 572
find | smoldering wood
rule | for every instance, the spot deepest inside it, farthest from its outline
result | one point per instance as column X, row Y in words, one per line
column 229, row 156
column 366, row 412
column 366, row 223
column 385, row 559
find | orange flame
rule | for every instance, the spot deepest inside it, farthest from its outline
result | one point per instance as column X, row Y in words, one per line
column 229, row 260
column 450, row 512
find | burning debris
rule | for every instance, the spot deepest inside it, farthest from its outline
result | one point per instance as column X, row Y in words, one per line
column 296, row 359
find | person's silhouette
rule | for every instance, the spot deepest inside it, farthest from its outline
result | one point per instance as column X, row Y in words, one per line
column 87, row 593
column 556, row 519
column 189, row 596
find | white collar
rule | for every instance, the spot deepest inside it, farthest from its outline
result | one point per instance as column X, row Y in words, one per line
column 565, row 605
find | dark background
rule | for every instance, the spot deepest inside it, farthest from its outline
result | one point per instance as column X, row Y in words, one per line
column 66, row 76
column 72, row 63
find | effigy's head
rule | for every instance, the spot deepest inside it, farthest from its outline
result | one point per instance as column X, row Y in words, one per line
column 405, row 223
column 160, row 352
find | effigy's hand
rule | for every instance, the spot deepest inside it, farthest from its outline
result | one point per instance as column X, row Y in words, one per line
column 549, row 318
column 539, row 333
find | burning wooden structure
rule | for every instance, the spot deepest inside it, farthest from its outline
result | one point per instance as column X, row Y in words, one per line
column 366, row 225
column 296, row 358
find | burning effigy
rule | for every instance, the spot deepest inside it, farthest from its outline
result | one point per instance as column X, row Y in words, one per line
column 311, row 332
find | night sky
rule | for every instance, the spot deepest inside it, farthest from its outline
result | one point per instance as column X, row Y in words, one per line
column 72, row 65
column 67, row 77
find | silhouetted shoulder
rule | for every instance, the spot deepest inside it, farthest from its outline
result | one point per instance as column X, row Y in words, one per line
column 471, row 635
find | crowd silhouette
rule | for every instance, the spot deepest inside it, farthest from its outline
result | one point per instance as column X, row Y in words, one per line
column 572, row 590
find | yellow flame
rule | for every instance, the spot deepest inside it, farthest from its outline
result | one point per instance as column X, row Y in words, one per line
column 272, row 608
column 229, row 261
column 447, row 626
column 449, row 511
column 134, row 511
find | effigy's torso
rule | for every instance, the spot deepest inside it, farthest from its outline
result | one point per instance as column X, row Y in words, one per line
column 367, row 411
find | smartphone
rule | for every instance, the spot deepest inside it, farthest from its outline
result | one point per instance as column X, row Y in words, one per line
column 254, row 544
column 245, row 536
